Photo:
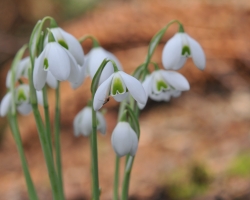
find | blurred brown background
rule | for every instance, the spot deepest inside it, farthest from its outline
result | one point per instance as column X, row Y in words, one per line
column 196, row 146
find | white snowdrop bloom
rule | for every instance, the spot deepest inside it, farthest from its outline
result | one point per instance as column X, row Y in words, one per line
column 179, row 48
column 69, row 42
column 83, row 122
column 95, row 58
column 22, row 100
column 119, row 85
column 124, row 139
column 162, row 84
column 56, row 60
column 21, row 71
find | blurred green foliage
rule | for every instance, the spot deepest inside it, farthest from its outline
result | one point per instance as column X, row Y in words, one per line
column 240, row 166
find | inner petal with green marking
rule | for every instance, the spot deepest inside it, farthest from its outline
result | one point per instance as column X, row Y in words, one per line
column 186, row 51
column 21, row 95
column 161, row 85
column 63, row 44
column 117, row 86
column 45, row 64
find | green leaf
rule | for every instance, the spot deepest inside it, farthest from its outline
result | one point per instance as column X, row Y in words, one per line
column 97, row 76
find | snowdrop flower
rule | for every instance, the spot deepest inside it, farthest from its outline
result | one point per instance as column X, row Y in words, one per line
column 22, row 100
column 69, row 42
column 119, row 85
column 162, row 84
column 56, row 60
column 95, row 58
column 124, row 140
column 22, row 72
column 179, row 48
column 83, row 122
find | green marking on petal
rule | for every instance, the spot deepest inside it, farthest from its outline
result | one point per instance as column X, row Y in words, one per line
column 186, row 51
column 161, row 85
column 45, row 64
column 21, row 95
column 63, row 44
column 117, row 86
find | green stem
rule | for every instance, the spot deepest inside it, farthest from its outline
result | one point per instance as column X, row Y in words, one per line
column 94, row 156
column 17, row 137
column 57, row 140
column 95, row 42
column 43, row 141
column 116, row 179
column 126, row 179
column 47, row 119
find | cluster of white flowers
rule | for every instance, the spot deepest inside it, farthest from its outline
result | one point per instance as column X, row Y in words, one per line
column 62, row 58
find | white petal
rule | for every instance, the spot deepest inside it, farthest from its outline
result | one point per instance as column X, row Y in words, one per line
column 175, row 79
column 146, row 85
column 134, row 87
column 182, row 60
column 39, row 75
column 39, row 95
column 74, row 69
column 96, row 56
column 197, row 53
column 175, row 93
column 51, row 80
column 24, row 108
column 160, row 97
column 5, row 104
column 121, row 139
column 134, row 140
column 76, row 124
column 25, row 90
column 101, row 123
column 22, row 68
column 114, row 58
column 120, row 97
column 172, row 52
column 102, row 93
column 86, row 121
column 74, row 46
column 58, row 60
column 8, row 79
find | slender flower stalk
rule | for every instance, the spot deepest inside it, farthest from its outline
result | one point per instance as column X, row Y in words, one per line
column 57, row 139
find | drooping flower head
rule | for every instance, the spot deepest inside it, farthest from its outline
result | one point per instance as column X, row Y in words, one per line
column 179, row 48
column 56, row 60
column 124, row 139
column 95, row 58
column 83, row 122
column 161, row 85
column 119, row 85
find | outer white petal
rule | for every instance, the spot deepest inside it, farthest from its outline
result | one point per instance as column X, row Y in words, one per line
column 8, row 79
column 24, row 108
column 39, row 95
column 134, row 140
column 172, row 52
column 76, row 124
column 180, row 63
column 74, row 46
column 86, row 121
column 96, row 56
column 175, row 93
column 59, row 61
column 175, row 79
column 197, row 53
column 39, row 75
column 147, row 87
column 121, row 97
column 51, row 80
column 74, row 69
column 22, row 67
column 102, row 93
column 121, row 139
column 134, row 87
column 114, row 58
column 101, row 123
column 5, row 104
column 82, row 75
